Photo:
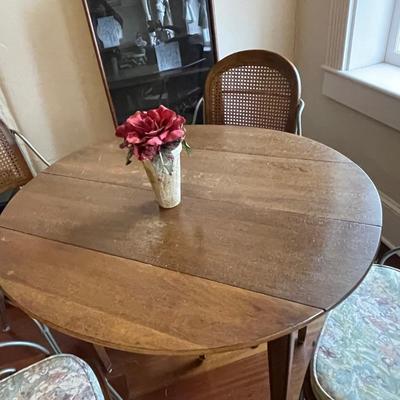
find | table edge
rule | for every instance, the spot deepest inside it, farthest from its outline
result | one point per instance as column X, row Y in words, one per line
column 142, row 350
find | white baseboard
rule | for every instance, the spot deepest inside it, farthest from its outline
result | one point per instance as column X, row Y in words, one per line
column 391, row 221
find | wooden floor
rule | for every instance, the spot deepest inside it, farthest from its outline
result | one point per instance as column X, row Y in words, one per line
column 239, row 375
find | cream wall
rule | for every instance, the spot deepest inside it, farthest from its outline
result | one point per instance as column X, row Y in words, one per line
column 263, row 24
column 374, row 146
column 50, row 77
column 49, row 74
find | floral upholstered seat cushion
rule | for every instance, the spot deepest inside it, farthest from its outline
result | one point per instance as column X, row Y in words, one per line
column 60, row 377
column 358, row 353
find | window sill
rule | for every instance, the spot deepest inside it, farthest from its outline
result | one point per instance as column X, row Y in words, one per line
column 373, row 91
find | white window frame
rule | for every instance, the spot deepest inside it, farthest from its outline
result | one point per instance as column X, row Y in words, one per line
column 393, row 47
column 356, row 71
column 359, row 74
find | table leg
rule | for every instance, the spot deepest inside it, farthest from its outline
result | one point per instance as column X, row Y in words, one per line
column 301, row 336
column 104, row 358
column 5, row 327
column 280, row 357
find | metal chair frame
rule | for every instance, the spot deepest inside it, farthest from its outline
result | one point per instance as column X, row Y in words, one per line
column 55, row 349
column 388, row 254
column 299, row 124
column 19, row 343
column 31, row 147
column 32, row 345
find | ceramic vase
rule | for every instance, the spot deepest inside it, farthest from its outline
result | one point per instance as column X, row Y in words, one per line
column 164, row 173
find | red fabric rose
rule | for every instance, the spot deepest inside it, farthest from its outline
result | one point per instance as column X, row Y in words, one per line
column 146, row 131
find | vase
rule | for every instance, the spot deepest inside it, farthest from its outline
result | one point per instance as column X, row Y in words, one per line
column 164, row 173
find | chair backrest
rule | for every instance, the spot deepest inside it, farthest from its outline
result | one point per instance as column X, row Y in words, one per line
column 253, row 88
column 14, row 171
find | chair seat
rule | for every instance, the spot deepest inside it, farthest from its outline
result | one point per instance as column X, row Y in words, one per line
column 59, row 377
column 358, row 354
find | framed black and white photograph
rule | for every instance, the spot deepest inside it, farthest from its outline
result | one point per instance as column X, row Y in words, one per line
column 114, row 3
column 153, row 52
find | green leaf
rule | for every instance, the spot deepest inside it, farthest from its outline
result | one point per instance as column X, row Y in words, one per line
column 186, row 146
column 129, row 156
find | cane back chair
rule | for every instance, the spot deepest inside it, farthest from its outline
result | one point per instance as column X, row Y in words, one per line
column 14, row 171
column 255, row 88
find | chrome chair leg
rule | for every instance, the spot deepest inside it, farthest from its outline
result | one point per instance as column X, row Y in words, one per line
column 7, row 372
column 107, row 366
column 389, row 254
column 115, row 395
column 45, row 331
column 22, row 343
column 5, row 326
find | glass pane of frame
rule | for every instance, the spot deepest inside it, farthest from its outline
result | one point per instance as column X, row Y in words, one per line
column 153, row 52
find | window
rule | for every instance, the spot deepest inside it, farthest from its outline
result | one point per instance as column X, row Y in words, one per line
column 362, row 68
column 363, row 33
column 393, row 48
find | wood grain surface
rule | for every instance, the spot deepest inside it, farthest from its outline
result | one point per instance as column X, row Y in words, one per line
column 273, row 230
column 136, row 307
column 260, row 182
column 202, row 237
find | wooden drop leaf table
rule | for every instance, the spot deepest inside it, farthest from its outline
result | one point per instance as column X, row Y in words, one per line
column 273, row 231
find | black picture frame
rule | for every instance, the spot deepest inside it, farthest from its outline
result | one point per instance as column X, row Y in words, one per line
column 131, row 89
